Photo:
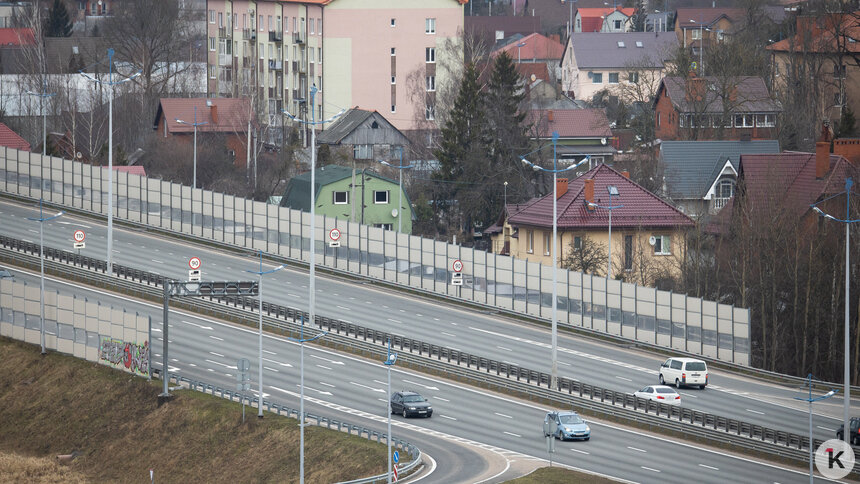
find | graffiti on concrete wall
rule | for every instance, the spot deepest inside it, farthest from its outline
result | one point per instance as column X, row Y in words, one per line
column 134, row 357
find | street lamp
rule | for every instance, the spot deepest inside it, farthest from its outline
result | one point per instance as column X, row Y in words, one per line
column 389, row 362
column 810, row 399
column 260, row 307
column 519, row 46
column 44, row 94
column 613, row 190
column 312, row 291
column 555, row 171
column 570, row 20
column 701, row 48
column 847, row 374
column 400, row 169
column 110, row 83
column 506, row 196
column 301, row 341
column 41, row 221
column 195, row 124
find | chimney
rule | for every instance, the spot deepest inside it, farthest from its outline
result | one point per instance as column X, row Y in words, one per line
column 696, row 89
column 822, row 158
column 849, row 148
column 549, row 116
column 213, row 111
column 589, row 191
column 626, row 174
column 560, row 187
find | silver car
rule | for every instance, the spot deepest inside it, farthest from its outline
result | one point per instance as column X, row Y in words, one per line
column 566, row 425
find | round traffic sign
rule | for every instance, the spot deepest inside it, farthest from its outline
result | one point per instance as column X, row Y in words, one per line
column 396, row 457
column 458, row 265
column 80, row 236
column 194, row 263
column 334, row 234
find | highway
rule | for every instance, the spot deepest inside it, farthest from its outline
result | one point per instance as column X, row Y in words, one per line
column 473, row 436
column 491, row 335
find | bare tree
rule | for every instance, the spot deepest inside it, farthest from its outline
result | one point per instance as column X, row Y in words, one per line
column 589, row 257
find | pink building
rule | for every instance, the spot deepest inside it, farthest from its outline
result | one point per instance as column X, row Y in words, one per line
column 358, row 53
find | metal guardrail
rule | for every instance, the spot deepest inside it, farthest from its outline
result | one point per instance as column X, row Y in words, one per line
column 454, row 363
column 321, row 421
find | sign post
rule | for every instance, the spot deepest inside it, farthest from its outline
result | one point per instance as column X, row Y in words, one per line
column 243, row 365
column 334, row 238
column 457, row 276
column 80, row 236
column 194, row 274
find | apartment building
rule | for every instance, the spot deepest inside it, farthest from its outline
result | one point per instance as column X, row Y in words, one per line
column 358, row 53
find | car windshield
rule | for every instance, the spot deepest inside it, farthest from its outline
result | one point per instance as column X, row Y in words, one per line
column 664, row 390
column 695, row 366
column 413, row 399
column 570, row 419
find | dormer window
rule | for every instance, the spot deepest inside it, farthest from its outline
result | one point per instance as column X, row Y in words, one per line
column 620, row 44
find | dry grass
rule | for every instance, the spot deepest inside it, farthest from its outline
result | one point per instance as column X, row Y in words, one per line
column 57, row 404
column 557, row 475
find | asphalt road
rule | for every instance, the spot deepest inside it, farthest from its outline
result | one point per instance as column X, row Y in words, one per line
column 473, row 436
column 491, row 335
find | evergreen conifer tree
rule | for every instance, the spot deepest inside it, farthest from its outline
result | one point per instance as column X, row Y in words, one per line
column 58, row 23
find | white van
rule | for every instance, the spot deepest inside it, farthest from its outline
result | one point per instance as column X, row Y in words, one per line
column 684, row 371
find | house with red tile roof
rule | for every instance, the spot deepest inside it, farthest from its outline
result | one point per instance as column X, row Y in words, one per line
column 534, row 49
column 647, row 233
column 11, row 139
column 17, row 38
column 605, row 19
column 582, row 132
column 226, row 116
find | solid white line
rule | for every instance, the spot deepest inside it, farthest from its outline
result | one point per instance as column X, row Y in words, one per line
column 637, row 450
column 580, row 451
column 754, row 411
column 708, row 467
column 649, row 469
column 502, row 415
column 515, row 435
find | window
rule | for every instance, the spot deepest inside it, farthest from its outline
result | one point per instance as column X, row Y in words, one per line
column 613, row 78
column 662, row 245
column 628, row 252
column 394, row 79
column 311, row 25
column 220, row 19
column 211, row 16
column 725, row 189
column 617, row 24
column 547, row 242
column 393, row 108
column 530, row 241
column 319, row 26
column 633, row 77
column 696, row 34
column 765, row 120
column 430, row 55
column 286, row 23
column 362, row 152
column 393, row 51
column 380, row 196
column 430, row 112
column 261, row 24
column 212, row 44
column 658, row 119
column 384, row 226
column 431, row 83
column 278, row 24
column 271, row 23
column 430, row 26
column 597, row 78
column 211, row 71
column 743, row 120
column 340, row 198
column 578, row 24
column 577, row 243
column 393, row 22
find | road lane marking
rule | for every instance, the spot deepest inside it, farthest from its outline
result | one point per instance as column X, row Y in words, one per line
column 637, row 450
column 278, row 362
column 216, row 354
column 395, row 321
column 365, row 386
column 232, row 367
column 215, row 337
column 327, row 384
column 649, row 469
column 708, row 467
column 449, row 418
column 321, row 392
column 269, row 352
column 420, row 385
column 442, row 399
column 342, row 307
column 271, row 369
column 825, row 428
column 333, row 362
column 581, row 451
column 324, row 367
column 563, row 363
column 449, row 334
column 622, row 378
column 197, row 325
column 502, row 415
column 513, row 434
column 503, row 348
column 754, row 411
column 156, row 261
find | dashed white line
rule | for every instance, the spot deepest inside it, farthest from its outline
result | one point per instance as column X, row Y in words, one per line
column 324, row 367
column 449, row 334
column 216, row 354
column 580, row 451
column 825, row 428
column 156, row 261
column 563, row 363
column 449, row 418
column 271, row 369
column 327, row 384
column 622, row 378
column 754, row 411
column 637, row 450
column 502, row 415
column 395, row 321
column 215, row 337
column 513, row 434
column 503, row 348
column 342, row 307
column 708, row 467
column 649, row 469
column 442, row 399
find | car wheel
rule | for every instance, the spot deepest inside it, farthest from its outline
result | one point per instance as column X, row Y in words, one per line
column 702, row 387
column 677, row 383
column 662, row 381
column 587, row 438
column 404, row 413
column 839, row 435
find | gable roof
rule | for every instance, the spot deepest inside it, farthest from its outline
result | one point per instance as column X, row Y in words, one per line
column 17, row 37
column 587, row 12
column 752, row 96
column 11, row 139
column 536, row 47
column 641, row 208
column 298, row 196
column 232, row 114
column 352, row 121
column 692, row 166
column 604, row 49
column 709, row 17
column 570, row 123
column 819, row 34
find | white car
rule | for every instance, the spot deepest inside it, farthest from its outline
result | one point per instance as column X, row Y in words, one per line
column 660, row 393
column 684, row 371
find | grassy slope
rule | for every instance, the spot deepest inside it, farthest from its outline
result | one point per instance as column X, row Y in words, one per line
column 558, row 475
column 58, row 404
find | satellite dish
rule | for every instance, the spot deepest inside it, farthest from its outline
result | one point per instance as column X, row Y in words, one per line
column 603, row 141
column 533, row 77
column 652, row 240
column 79, row 155
column 394, row 212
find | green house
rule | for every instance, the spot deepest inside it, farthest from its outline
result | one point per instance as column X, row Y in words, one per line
column 364, row 197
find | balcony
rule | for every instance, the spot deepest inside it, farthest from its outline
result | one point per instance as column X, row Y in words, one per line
column 276, row 65
column 719, row 203
column 299, row 38
column 275, row 36
column 223, row 32
column 253, row 36
column 246, row 34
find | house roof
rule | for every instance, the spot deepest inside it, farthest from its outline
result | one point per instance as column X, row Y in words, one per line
column 640, row 208
column 622, row 49
column 353, row 120
column 570, row 123
column 232, row 114
column 813, row 37
column 692, row 166
column 752, row 96
column 485, row 27
column 297, row 194
column 17, row 37
column 587, row 12
column 536, row 47
column 11, row 139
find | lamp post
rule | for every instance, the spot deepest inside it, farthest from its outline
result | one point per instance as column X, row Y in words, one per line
column 519, row 46
column 42, row 219
column 301, row 340
column 570, row 18
column 701, row 48
column 195, row 124
column 260, row 307
column 400, row 169
column 110, row 83
column 44, row 94
column 506, row 196
column 613, row 190
column 389, row 362
column 810, row 399
column 555, row 171
column 846, row 411
column 311, row 311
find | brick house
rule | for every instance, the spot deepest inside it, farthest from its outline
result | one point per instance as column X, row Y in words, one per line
column 706, row 108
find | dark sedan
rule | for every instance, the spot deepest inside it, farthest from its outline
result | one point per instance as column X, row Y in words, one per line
column 410, row 404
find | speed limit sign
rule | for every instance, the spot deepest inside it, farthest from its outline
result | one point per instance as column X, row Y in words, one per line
column 458, row 266
column 334, row 236
column 80, row 236
column 194, row 263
